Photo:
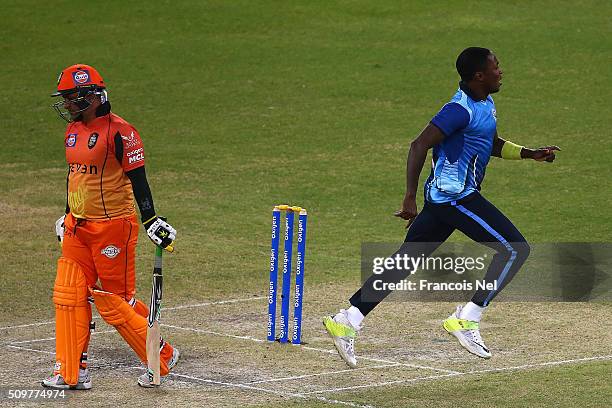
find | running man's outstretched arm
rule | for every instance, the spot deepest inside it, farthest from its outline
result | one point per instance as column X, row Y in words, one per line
column 508, row 150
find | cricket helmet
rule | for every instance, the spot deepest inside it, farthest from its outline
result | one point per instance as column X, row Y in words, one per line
column 77, row 77
column 84, row 80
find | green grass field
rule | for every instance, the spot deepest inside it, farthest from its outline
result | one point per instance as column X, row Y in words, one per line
column 243, row 105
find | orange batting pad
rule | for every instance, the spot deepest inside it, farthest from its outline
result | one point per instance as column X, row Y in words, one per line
column 72, row 317
column 130, row 325
column 140, row 308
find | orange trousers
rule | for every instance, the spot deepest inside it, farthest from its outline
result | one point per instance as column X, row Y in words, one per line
column 106, row 252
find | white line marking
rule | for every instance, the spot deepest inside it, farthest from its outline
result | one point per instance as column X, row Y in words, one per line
column 249, row 387
column 29, row 349
column 432, row 377
column 280, row 393
column 32, row 341
column 549, row 363
column 355, row 387
column 26, row 325
column 379, row 360
column 387, row 363
column 219, row 302
column 411, row 380
column 442, row 370
column 212, row 332
column 297, row 377
column 53, row 338
column 332, row 351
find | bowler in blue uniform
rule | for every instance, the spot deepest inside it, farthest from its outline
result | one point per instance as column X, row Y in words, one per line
column 463, row 137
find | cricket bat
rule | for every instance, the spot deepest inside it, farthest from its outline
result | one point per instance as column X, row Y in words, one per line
column 153, row 332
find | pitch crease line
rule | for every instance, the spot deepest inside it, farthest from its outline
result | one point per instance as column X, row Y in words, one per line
column 379, row 360
column 29, row 349
column 27, row 325
column 211, row 332
column 298, row 377
column 219, row 302
column 549, row 363
column 491, row 370
column 280, row 393
column 53, row 338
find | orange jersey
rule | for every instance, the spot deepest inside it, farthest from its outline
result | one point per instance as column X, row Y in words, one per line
column 98, row 187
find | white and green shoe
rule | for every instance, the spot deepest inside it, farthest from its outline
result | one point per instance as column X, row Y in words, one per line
column 144, row 381
column 56, row 381
column 468, row 334
column 343, row 334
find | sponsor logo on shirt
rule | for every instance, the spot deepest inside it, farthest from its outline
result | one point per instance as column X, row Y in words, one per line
column 135, row 156
column 80, row 77
column 71, row 140
column 130, row 141
column 494, row 113
column 93, row 138
column 83, row 168
column 110, row 251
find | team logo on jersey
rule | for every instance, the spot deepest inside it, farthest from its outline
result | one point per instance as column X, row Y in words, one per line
column 71, row 140
column 80, row 77
column 93, row 138
column 130, row 141
column 110, row 251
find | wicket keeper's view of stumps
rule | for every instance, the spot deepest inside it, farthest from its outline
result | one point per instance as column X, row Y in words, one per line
column 298, row 293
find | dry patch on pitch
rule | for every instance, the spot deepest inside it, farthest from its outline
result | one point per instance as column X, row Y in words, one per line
column 226, row 361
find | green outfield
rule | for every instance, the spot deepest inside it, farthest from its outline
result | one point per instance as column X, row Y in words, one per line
column 243, row 105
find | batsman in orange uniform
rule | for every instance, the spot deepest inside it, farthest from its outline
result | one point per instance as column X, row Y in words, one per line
column 99, row 231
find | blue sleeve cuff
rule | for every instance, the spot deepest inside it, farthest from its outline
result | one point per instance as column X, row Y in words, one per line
column 451, row 118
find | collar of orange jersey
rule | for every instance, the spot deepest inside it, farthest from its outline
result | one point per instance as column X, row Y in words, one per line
column 465, row 88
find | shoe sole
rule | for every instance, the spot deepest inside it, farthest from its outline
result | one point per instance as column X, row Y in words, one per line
column 147, row 385
column 79, row 387
column 338, row 346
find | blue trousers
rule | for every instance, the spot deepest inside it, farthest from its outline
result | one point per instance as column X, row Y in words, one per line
column 478, row 219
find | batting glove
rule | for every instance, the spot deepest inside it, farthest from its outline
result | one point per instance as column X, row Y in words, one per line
column 161, row 233
column 59, row 228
